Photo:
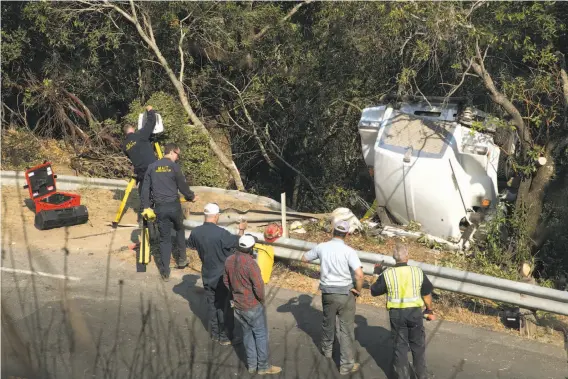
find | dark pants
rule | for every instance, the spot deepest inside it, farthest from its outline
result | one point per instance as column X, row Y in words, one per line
column 220, row 313
column 139, row 174
column 407, row 330
column 255, row 336
column 342, row 306
column 170, row 216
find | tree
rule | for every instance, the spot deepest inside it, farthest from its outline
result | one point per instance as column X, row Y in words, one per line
column 141, row 17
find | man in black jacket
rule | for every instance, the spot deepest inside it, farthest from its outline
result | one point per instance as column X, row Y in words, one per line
column 214, row 244
column 138, row 147
column 162, row 182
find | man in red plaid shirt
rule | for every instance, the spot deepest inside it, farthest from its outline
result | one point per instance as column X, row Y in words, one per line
column 242, row 277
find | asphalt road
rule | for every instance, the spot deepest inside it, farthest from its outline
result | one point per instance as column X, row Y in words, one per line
column 107, row 321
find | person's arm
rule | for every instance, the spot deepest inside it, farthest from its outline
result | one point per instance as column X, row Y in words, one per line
column 242, row 227
column 229, row 242
column 356, row 266
column 256, row 281
column 149, row 125
column 182, row 184
column 379, row 287
column 146, row 190
column 190, row 243
column 426, row 292
column 311, row 255
column 226, row 277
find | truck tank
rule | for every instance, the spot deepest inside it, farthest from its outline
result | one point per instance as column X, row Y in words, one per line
column 431, row 166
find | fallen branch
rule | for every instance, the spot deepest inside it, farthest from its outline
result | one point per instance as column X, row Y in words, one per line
column 292, row 11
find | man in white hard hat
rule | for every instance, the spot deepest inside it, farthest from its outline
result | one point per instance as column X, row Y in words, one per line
column 244, row 280
column 341, row 281
column 214, row 244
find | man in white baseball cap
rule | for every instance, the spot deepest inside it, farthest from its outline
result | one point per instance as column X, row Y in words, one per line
column 214, row 244
column 341, row 281
column 244, row 280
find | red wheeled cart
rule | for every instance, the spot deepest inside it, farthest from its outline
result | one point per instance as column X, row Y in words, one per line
column 53, row 209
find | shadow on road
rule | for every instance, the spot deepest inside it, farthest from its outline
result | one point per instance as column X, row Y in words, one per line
column 376, row 340
column 195, row 296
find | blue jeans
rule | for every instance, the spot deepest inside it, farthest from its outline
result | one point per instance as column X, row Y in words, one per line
column 255, row 336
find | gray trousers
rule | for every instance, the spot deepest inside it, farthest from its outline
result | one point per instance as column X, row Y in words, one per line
column 342, row 307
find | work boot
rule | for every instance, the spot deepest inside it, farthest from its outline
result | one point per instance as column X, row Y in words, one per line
column 252, row 371
column 270, row 371
column 165, row 278
column 355, row 368
column 181, row 266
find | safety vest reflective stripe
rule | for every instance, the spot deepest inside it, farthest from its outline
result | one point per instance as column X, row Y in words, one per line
column 403, row 286
column 406, row 300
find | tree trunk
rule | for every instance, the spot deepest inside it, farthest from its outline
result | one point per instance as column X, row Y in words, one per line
column 147, row 34
column 531, row 195
column 296, row 193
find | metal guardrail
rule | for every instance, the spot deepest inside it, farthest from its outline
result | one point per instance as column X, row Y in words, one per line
column 444, row 278
column 73, row 183
column 468, row 283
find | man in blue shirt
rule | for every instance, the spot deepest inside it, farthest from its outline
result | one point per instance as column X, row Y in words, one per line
column 341, row 281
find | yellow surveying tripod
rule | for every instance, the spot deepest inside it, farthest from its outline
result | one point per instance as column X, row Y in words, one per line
column 129, row 187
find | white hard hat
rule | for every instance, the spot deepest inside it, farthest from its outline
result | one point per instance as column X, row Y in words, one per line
column 247, row 241
column 211, row 209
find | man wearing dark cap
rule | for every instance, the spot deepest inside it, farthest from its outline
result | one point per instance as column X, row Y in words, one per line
column 341, row 281
column 162, row 182
column 242, row 277
column 214, row 244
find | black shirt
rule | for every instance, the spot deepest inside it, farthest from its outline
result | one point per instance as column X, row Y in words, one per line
column 380, row 286
column 137, row 145
column 163, row 179
column 213, row 244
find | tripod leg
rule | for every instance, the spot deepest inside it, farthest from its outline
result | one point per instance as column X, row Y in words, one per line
column 143, row 256
column 158, row 150
column 129, row 187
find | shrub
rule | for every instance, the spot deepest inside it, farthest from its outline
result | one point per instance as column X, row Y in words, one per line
column 198, row 163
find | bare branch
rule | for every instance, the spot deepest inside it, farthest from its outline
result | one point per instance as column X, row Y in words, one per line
column 252, row 124
column 500, row 99
column 464, row 74
column 408, row 40
column 292, row 11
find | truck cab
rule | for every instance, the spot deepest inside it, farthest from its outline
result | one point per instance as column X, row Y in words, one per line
column 435, row 162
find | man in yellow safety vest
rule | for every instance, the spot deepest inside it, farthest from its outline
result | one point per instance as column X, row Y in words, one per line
column 408, row 289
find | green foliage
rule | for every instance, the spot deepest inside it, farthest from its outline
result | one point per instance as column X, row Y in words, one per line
column 197, row 162
column 506, row 246
column 338, row 197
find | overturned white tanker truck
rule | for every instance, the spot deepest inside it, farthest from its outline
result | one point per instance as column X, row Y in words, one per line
column 439, row 163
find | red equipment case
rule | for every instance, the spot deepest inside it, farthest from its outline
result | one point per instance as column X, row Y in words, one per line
column 53, row 209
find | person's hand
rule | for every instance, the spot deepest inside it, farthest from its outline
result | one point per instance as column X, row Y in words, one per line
column 355, row 292
column 149, row 108
column 243, row 224
column 195, row 197
column 149, row 214
column 429, row 315
column 378, row 270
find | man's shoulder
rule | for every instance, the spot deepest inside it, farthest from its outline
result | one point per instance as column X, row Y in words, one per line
column 154, row 164
column 230, row 259
column 337, row 245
